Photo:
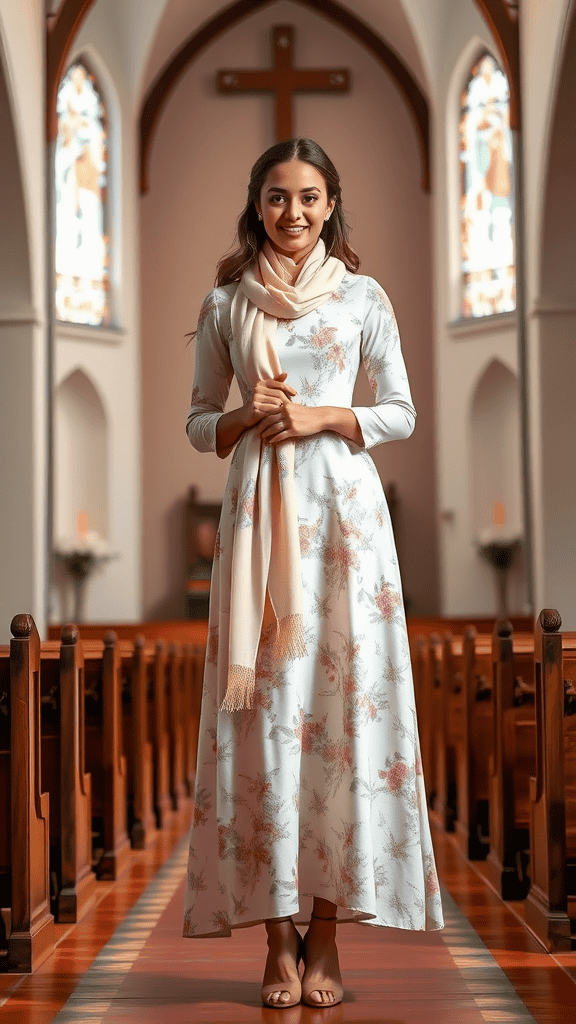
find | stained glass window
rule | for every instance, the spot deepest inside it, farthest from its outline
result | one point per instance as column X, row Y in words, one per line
column 486, row 193
column 81, row 258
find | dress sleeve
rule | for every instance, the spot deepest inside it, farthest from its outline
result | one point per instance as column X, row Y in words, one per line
column 393, row 415
column 212, row 377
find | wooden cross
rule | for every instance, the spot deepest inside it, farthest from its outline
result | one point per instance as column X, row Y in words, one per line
column 283, row 79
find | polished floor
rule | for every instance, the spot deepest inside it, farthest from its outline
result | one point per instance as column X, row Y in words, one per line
column 127, row 963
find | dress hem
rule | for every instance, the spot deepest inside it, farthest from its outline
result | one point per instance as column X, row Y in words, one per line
column 356, row 916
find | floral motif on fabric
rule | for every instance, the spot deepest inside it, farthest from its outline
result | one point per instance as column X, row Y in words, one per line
column 318, row 788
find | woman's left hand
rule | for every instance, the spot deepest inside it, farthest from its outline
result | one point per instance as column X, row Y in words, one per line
column 292, row 420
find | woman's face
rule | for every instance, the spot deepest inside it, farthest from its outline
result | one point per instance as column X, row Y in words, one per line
column 294, row 204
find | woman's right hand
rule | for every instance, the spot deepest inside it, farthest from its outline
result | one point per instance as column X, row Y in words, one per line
column 268, row 395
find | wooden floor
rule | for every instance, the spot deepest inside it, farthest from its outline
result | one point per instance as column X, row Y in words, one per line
column 127, row 963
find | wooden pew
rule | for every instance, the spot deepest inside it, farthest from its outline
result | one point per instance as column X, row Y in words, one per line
column 137, row 743
column 176, row 724
column 5, row 831
column 550, row 907
column 32, row 935
column 513, row 761
column 64, row 776
column 473, row 743
column 158, row 730
column 182, row 631
column 105, row 758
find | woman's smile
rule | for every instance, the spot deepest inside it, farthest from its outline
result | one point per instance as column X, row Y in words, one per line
column 292, row 190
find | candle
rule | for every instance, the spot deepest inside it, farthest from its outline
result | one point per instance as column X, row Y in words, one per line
column 499, row 514
column 82, row 526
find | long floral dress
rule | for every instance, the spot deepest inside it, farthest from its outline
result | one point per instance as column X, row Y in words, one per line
column 318, row 789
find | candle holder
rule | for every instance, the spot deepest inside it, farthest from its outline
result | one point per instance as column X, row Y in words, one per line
column 501, row 553
column 81, row 556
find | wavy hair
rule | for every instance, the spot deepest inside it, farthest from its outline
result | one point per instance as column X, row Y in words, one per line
column 250, row 232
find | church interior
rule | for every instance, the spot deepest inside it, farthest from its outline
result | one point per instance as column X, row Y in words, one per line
column 128, row 129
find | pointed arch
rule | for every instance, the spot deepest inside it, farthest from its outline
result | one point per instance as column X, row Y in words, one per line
column 494, row 422
column 82, row 455
column 158, row 93
column 61, row 30
column 502, row 19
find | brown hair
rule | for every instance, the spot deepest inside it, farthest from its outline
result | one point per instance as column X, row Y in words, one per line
column 250, row 232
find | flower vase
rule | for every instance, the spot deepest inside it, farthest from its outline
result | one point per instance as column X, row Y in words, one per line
column 79, row 600
column 501, row 590
column 501, row 554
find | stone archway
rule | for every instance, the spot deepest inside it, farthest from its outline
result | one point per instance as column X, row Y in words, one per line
column 554, row 314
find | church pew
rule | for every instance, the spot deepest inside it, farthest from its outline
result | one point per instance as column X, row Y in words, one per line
column 158, row 694
column 105, row 757
column 176, row 724
column 513, row 758
column 419, row 657
column 441, row 751
column 550, row 907
column 134, row 658
column 183, row 631
column 465, row 693
column 5, row 854
column 32, row 934
column 64, row 776
column 458, row 624
column 195, row 655
column 424, row 689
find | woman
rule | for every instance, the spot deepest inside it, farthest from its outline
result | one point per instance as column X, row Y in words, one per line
column 309, row 790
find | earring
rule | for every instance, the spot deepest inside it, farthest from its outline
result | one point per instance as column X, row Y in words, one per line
column 327, row 217
column 259, row 216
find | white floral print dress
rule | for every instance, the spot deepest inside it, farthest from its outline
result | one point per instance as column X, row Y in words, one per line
column 318, row 789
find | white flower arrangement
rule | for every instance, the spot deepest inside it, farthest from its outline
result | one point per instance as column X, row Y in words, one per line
column 88, row 543
column 496, row 535
column 81, row 555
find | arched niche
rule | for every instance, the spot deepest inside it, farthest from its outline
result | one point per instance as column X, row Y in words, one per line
column 495, row 449
column 81, row 456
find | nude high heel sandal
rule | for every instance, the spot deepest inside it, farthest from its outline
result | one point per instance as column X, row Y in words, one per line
column 324, row 974
column 284, row 981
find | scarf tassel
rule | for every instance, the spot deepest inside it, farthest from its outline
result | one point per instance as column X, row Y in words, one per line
column 290, row 640
column 240, row 689
column 289, row 643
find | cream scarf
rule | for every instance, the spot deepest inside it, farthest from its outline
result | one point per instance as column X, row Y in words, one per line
column 266, row 590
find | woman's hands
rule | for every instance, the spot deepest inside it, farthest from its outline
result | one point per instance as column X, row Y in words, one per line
column 269, row 396
column 277, row 418
column 292, row 420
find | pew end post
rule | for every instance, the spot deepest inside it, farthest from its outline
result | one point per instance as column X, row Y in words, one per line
column 32, row 935
column 546, row 908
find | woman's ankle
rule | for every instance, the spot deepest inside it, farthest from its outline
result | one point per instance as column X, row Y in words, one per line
column 323, row 910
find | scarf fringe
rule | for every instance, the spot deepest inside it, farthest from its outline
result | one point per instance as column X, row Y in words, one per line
column 290, row 641
column 240, row 689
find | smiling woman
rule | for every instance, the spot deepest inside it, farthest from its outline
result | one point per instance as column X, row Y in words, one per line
column 294, row 207
column 309, row 790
